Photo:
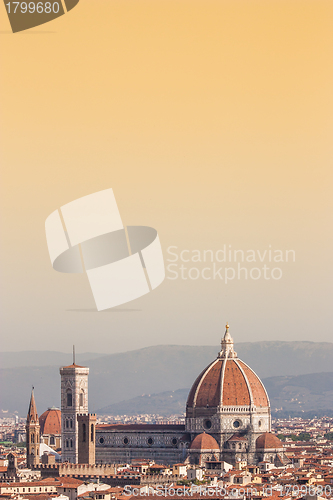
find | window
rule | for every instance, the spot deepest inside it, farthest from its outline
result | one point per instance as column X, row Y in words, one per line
column 84, row 432
column 101, row 440
column 71, row 443
column 71, row 423
column 81, row 398
column 92, row 433
column 125, row 441
column 150, row 441
column 207, row 424
column 67, row 423
column 236, row 424
column 69, row 398
column 66, row 443
column 32, row 438
column 52, row 440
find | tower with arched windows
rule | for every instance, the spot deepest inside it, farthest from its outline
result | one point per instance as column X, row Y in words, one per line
column 74, row 402
column 86, row 447
column 32, row 434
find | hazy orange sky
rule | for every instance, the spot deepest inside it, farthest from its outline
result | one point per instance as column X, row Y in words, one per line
column 212, row 122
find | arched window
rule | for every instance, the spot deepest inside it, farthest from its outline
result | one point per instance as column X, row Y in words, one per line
column 66, row 443
column 81, row 398
column 32, row 438
column 52, row 440
column 84, row 430
column 92, row 433
column 71, row 443
column 69, row 398
column 71, row 422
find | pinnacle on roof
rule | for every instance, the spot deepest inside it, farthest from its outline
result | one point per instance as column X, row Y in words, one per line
column 32, row 412
column 227, row 345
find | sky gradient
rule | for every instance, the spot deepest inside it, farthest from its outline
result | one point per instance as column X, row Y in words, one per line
column 212, row 123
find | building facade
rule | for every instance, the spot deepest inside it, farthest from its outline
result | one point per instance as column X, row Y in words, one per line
column 228, row 418
column 74, row 402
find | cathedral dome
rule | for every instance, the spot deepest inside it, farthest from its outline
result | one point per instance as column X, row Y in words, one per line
column 268, row 441
column 50, row 421
column 204, row 442
column 227, row 381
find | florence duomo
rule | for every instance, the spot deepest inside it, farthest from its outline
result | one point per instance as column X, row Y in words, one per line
column 228, row 418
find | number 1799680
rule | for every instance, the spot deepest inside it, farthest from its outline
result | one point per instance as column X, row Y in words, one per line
column 32, row 7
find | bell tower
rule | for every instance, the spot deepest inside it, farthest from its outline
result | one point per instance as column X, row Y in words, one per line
column 86, row 448
column 32, row 434
column 74, row 402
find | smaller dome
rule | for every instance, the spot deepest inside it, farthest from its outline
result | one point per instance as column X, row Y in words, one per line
column 50, row 421
column 204, row 442
column 268, row 441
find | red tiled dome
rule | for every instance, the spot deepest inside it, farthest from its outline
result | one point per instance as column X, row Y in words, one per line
column 240, row 386
column 268, row 441
column 204, row 442
column 50, row 421
column 227, row 381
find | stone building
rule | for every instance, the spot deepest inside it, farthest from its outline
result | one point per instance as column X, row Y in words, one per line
column 228, row 418
column 32, row 434
column 74, row 401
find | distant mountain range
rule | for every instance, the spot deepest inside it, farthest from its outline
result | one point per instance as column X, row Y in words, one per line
column 121, row 377
column 295, row 395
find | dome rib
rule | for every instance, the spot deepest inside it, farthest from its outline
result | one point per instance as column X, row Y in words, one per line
column 228, row 381
column 260, row 396
column 235, row 389
column 246, row 380
column 209, row 367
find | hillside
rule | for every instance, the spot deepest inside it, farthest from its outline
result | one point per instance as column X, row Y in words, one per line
column 152, row 370
column 294, row 394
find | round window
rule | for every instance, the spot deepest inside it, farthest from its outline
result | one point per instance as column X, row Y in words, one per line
column 207, row 424
column 236, row 424
column 101, row 440
column 174, row 441
column 150, row 441
column 125, row 441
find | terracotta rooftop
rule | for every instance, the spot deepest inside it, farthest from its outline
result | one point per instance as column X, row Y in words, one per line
column 227, row 381
column 268, row 441
column 74, row 365
column 50, row 421
column 141, row 427
column 204, row 442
